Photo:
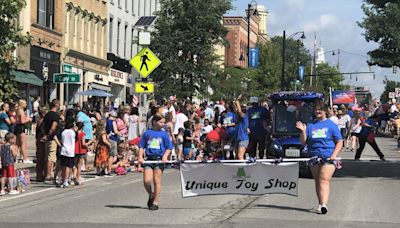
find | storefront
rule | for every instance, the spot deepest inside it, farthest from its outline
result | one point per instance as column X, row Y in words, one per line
column 28, row 84
column 117, row 81
column 45, row 63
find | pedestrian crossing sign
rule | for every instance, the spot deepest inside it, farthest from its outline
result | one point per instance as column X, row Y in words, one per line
column 145, row 62
column 147, row 87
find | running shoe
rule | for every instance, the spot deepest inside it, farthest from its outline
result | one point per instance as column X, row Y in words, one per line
column 13, row 192
column 324, row 209
column 153, row 207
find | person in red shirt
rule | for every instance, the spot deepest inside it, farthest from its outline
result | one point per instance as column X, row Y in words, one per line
column 214, row 142
column 80, row 152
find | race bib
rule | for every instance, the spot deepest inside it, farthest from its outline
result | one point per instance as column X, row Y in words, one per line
column 155, row 143
column 319, row 133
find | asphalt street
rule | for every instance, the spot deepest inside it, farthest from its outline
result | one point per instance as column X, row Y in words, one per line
column 363, row 194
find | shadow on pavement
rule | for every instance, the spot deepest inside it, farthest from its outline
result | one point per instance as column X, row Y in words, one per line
column 368, row 168
column 284, row 208
column 126, row 207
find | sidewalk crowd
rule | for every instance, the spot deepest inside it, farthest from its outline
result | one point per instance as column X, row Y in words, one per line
column 65, row 138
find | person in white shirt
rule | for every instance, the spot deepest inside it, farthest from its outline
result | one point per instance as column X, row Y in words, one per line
column 333, row 117
column 343, row 123
column 67, row 159
column 180, row 119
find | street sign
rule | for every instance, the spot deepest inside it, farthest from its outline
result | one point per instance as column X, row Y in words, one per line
column 253, row 57
column 397, row 91
column 66, row 68
column 145, row 62
column 392, row 95
column 144, row 87
column 66, row 78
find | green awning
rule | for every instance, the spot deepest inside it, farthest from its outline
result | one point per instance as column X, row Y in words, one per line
column 26, row 77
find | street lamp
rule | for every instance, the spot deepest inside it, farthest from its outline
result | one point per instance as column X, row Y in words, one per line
column 283, row 87
column 336, row 52
column 255, row 13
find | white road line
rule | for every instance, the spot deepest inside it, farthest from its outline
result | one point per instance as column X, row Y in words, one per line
column 83, row 181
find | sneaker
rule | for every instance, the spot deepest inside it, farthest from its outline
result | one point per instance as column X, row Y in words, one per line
column 317, row 209
column 324, row 209
column 65, row 186
column 356, row 159
column 383, row 159
column 2, row 193
column 150, row 202
column 153, row 207
column 27, row 161
column 13, row 192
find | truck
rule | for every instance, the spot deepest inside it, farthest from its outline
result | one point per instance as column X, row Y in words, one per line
column 288, row 108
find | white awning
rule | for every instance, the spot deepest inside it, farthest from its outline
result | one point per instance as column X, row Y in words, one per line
column 100, row 87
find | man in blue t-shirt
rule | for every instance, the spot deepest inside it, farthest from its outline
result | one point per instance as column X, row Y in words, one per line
column 258, row 117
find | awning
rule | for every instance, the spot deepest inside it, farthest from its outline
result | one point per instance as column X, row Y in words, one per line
column 26, row 77
column 100, row 87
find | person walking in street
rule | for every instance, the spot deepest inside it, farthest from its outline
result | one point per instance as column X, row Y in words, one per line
column 367, row 134
column 51, row 124
column 8, row 153
column 355, row 128
column 343, row 123
column 323, row 140
column 258, row 116
column 154, row 145
column 5, row 121
column 20, row 127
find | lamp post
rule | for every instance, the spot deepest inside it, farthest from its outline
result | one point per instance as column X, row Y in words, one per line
column 283, row 87
column 336, row 52
column 249, row 7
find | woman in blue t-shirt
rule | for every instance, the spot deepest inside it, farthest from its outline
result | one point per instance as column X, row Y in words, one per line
column 155, row 144
column 323, row 139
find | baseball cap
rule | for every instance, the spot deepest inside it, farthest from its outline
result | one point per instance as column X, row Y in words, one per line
column 254, row 99
column 113, row 113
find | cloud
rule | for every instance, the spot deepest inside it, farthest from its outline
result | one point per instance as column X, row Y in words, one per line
column 324, row 21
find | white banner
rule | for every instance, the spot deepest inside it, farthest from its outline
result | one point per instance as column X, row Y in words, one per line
column 247, row 179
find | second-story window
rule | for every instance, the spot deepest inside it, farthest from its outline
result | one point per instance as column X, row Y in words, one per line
column 45, row 13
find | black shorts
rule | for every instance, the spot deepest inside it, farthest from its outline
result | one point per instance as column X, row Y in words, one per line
column 67, row 161
column 19, row 129
column 354, row 134
column 154, row 166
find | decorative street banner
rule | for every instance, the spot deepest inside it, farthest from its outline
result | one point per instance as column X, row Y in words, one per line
column 343, row 97
column 238, row 178
column 253, row 57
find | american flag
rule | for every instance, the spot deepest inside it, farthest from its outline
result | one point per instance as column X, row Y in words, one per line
column 135, row 101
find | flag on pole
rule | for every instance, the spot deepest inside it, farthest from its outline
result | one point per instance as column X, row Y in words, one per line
column 135, row 101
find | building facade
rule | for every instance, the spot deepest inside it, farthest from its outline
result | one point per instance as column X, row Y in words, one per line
column 43, row 20
column 236, row 52
column 123, row 37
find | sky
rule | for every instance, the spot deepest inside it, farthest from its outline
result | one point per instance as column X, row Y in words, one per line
column 335, row 24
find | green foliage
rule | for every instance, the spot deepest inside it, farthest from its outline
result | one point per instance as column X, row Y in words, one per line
column 184, row 39
column 11, row 36
column 328, row 76
column 390, row 87
column 381, row 26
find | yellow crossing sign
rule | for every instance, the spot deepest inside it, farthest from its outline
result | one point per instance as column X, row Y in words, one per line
column 147, row 87
column 145, row 62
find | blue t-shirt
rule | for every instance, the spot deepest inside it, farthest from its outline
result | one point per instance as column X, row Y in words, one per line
column 3, row 123
column 257, row 115
column 365, row 130
column 155, row 142
column 229, row 118
column 110, row 130
column 321, row 137
column 241, row 128
column 87, row 125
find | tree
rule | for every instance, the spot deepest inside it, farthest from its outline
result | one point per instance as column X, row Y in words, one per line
column 381, row 26
column 390, row 87
column 328, row 76
column 186, row 34
column 11, row 36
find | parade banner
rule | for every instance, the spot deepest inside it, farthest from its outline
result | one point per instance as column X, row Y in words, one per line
column 343, row 97
column 245, row 179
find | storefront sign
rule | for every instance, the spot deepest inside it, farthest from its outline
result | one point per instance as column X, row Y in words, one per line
column 246, row 179
column 117, row 77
